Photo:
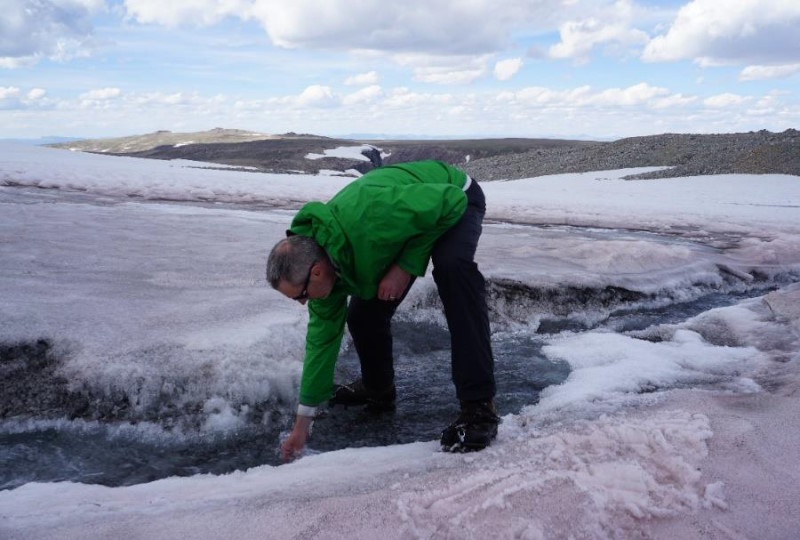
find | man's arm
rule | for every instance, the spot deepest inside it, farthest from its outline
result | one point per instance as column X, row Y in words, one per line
column 324, row 336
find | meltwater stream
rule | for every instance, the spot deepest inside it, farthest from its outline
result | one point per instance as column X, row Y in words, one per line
column 125, row 453
column 122, row 454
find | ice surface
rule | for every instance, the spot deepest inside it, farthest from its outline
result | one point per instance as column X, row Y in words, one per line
column 608, row 366
column 179, row 180
column 148, row 299
column 728, row 202
column 153, row 298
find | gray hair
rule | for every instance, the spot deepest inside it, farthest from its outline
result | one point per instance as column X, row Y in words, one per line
column 291, row 259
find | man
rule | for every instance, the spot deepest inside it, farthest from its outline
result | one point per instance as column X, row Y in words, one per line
column 369, row 243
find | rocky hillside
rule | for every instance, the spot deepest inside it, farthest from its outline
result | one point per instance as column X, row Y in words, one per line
column 488, row 159
column 288, row 153
column 755, row 152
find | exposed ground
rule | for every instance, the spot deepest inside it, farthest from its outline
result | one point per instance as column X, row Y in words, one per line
column 761, row 152
column 140, row 143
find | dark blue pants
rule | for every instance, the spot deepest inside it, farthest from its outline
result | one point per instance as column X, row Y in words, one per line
column 463, row 292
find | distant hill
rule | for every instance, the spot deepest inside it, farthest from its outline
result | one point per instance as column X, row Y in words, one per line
column 488, row 159
column 287, row 152
column 140, row 143
column 41, row 141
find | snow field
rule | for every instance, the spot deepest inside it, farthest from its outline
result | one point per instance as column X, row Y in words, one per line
column 154, row 298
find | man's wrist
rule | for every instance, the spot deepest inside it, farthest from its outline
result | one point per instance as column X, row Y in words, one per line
column 306, row 410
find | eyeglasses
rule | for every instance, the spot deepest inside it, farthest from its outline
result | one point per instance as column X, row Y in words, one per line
column 304, row 295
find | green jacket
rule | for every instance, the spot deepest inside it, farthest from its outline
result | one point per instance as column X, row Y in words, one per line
column 390, row 215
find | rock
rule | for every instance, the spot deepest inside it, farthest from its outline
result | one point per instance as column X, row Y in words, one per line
column 373, row 155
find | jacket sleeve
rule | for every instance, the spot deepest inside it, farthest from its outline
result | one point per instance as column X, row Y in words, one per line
column 326, row 322
column 431, row 209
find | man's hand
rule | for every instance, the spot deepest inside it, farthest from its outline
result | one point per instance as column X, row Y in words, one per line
column 393, row 284
column 296, row 441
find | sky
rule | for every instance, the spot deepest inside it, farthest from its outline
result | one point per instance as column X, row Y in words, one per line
column 597, row 69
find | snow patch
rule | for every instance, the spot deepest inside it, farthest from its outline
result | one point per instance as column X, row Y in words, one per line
column 346, row 152
column 613, row 471
column 608, row 367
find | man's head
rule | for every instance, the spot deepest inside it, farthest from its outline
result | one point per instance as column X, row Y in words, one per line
column 300, row 269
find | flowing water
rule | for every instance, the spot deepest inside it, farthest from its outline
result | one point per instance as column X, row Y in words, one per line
column 44, row 447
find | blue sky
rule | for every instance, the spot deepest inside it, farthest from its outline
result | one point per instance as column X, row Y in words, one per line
column 556, row 68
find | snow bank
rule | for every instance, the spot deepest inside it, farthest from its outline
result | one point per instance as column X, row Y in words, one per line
column 728, row 202
column 610, row 472
column 152, row 303
column 608, row 367
column 346, row 152
column 695, row 206
column 179, row 180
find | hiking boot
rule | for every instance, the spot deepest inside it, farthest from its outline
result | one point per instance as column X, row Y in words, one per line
column 356, row 394
column 474, row 428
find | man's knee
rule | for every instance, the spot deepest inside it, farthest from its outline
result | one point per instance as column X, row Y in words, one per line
column 367, row 317
column 453, row 266
column 357, row 319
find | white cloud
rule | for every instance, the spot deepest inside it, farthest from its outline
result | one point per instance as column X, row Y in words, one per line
column 7, row 92
column 579, row 39
column 712, row 32
column 430, row 26
column 505, row 69
column 363, row 79
column 610, row 27
column 364, row 95
column 641, row 94
column 725, row 100
column 35, row 94
column 101, row 94
column 674, row 100
column 541, row 96
column 442, row 69
column 159, row 98
column 195, row 12
column 447, row 75
column 8, row 62
column 317, row 96
column 403, row 99
column 35, row 29
column 93, row 6
column 14, row 98
column 434, row 26
column 755, row 73
column 149, row 100
column 771, row 103
column 154, row 98
column 536, row 111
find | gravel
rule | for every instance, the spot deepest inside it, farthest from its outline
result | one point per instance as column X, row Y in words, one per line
column 761, row 152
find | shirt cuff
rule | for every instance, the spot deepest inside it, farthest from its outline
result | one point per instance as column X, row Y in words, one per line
column 306, row 410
